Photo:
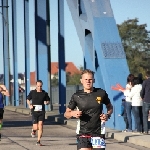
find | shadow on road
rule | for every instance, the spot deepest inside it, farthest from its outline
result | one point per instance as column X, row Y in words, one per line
column 25, row 123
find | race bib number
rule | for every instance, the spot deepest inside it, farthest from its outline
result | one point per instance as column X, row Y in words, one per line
column 38, row 108
column 98, row 142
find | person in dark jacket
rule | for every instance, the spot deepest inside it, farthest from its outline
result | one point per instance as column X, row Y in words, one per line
column 145, row 95
column 124, row 114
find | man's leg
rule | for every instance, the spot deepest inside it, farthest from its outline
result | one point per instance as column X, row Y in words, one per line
column 41, row 120
column 126, row 122
column 137, row 118
column 145, row 117
column 0, row 128
column 33, row 133
column 40, row 130
column 128, row 110
column 35, row 121
column 1, row 122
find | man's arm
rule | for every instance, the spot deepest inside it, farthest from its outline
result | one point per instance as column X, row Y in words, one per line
column 105, row 117
column 109, row 109
column 72, row 113
column 5, row 92
column 67, row 114
column 47, row 101
column 29, row 97
column 29, row 105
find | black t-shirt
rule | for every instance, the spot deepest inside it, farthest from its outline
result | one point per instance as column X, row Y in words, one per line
column 38, row 98
column 91, row 106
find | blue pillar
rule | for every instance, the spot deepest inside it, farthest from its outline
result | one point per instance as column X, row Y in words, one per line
column 15, row 61
column 49, row 52
column 61, row 57
column 41, row 43
column 6, row 47
column 27, row 49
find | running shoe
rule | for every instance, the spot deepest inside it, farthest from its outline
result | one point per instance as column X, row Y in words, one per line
column 128, row 130
column 33, row 134
column 38, row 143
column 145, row 133
column 124, row 130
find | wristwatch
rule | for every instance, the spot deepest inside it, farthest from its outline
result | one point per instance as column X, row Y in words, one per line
column 108, row 115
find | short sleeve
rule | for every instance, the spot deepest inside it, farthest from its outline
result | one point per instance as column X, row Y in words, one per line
column 29, row 97
column 47, row 98
column 106, row 100
column 72, row 104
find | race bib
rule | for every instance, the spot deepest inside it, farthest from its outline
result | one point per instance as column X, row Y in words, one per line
column 38, row 108
column 98, row 142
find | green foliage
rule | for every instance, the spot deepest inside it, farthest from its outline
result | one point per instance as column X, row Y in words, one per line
column 54, row 80
column 136, row 41
column 70, row 79
column 74, row 79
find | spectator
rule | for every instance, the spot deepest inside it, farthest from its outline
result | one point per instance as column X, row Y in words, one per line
column 128, row 100
column 124, row 114
column 136, row 104
column 145, row 95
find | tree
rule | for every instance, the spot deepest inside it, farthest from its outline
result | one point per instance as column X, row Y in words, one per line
column 136, row 41
column 74, row 79
column 70, row 79
column 54, row 80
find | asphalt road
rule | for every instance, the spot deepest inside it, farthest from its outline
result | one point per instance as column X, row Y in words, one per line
column 17, row 129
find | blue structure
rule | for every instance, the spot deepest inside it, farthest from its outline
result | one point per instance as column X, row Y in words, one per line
column 102, row 48
column 61, row 57
column 42, row 62
column 15, row 60
column 27, row 49
column 99, row 38
column 6, row 45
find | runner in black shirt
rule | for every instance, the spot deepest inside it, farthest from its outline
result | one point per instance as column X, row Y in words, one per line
column 39, row 99
column 88, row 104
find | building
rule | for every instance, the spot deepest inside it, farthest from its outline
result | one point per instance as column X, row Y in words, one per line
column 70, row 68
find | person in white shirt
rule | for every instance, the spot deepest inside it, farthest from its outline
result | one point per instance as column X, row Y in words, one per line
column 128, row 101
column 137, row 103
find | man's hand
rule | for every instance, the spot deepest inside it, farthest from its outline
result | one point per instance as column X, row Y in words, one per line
column 31, row 106
column 104, row 117
column 76, row 113
column 46, row 102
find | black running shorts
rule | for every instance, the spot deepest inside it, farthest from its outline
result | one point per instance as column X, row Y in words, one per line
column 86, row 142
column 38, row 116
column 1, row 113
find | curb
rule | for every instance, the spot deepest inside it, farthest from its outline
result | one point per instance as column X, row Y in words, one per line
column 19, row 110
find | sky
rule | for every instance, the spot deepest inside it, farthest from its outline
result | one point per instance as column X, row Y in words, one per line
column 122, row 9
